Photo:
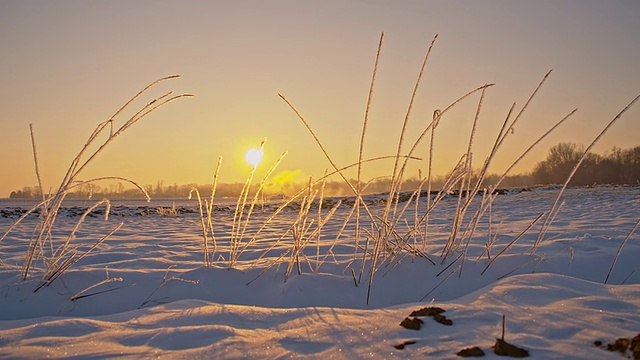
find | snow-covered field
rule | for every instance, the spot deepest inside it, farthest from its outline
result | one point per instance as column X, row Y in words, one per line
column 154, row 297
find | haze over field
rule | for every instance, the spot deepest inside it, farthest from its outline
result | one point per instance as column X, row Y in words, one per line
column 67, row 66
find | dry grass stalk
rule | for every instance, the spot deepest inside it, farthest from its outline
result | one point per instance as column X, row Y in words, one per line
column 302, row 233
column 203, row 225
column 359, row 188
column 547, row 220
column 396, row 180
column 486, row 202
column 624, row 242
column 504, row 132
column 486, row 205
column 391, row 213
column 239, row 213
column 81, row 294
column 35, row 161
column 511, row 243
column 206, row 221
column 386, row 241
column 301, row 192
column 166, row 279
column 53, row 253
column 319, row 232
column 239, row 225
column 56, row 269
column 465, row 187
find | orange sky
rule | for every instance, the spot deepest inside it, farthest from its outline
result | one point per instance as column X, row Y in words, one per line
column 68, row 65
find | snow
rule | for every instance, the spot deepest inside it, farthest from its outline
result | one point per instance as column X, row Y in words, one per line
column 158, row 300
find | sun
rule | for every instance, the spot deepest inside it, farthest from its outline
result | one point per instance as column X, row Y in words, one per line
column 253, row 157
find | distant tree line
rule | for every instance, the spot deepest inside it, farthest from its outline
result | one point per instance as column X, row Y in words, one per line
column 121, row 191
column 618, row 167
column 158, row 191
column 27, row 192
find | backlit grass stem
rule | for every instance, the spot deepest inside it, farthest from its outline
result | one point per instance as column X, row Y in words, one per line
column 547, row 221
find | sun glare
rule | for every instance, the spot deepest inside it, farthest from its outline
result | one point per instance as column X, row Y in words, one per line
column 253, row 157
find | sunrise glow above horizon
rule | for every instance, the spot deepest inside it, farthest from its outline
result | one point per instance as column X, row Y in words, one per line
column 66, row 68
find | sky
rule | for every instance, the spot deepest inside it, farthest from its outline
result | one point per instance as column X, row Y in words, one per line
column 67, row 66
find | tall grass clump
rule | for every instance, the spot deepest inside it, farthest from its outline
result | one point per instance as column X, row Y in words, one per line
column 382, row 237
column 57, row 254
column 300, row 235
column 244, row 208
column 206, row 218
column 549, row 218
column 384, row 243
column 240, row 220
